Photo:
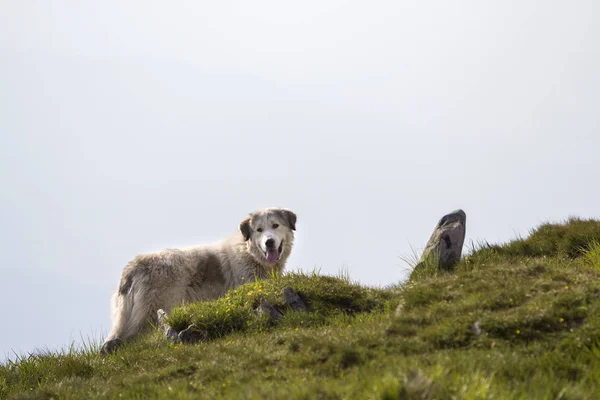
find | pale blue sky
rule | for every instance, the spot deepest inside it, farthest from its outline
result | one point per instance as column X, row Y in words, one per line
column 127, row 127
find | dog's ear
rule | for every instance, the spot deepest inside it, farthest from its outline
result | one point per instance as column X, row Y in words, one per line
column 245, row 228
column 290, row 217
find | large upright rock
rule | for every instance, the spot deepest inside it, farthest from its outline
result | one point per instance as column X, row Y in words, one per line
column 445, row 244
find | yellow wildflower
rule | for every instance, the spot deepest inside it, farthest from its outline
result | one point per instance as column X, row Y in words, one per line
column 562, row 320
column 518, row 332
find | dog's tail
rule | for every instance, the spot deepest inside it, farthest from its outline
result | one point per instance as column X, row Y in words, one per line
column 127, row 316
column 121, row 309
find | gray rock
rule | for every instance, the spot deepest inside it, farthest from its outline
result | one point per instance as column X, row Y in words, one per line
column 162, row 316
column 192, row 335
column 110, row 346
column 265, row 308
column 476, row 328
column 400, row 308
column 444, row 247
column 293, row 300
column 170, row 333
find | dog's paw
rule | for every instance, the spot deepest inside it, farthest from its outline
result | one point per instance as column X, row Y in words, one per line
column 110, row 346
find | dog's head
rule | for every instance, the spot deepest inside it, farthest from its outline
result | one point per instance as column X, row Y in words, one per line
column 269, row 234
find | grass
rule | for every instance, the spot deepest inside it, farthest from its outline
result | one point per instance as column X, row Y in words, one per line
column 570, row 239
column 330, row 299
column 512, row 321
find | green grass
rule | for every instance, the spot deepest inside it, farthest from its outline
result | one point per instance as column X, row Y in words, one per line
column 329, row 300
column 570, row 239
column 513, row 321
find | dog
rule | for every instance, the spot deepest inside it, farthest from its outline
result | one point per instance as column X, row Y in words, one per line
column 173, row 277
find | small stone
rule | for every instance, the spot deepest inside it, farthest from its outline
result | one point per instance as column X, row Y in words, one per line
column 110, row 346
column 192, row 335
column 293, row 299
column 445, row 244
column 170, row 333
column 399, row 310
column 265, row 308
column 162, row 316
column 476, row 328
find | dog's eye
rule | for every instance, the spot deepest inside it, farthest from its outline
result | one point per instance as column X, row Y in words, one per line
column 258, row 229
column 275, row 226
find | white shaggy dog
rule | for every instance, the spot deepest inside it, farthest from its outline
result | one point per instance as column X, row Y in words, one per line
column 171, row 277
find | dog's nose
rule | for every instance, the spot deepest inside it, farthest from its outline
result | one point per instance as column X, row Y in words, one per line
column 270, row 243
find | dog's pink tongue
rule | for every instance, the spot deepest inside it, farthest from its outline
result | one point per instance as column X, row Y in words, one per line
column 272, row 255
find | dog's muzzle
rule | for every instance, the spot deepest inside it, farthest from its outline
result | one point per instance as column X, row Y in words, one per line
column 273, row 254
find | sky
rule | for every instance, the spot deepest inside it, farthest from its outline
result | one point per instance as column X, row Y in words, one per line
column 128, row 127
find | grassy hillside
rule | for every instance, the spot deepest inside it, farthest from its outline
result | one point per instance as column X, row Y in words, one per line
column 514, row 321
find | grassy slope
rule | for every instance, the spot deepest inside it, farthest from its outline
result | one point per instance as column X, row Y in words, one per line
column 535, row 302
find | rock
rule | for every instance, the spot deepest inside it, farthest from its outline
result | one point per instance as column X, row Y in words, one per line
column 400, row 308
column 419, row 386
column 445, row 244
column 170, row 333
column 265, row 308
column 192, row 335
column 110, row 346
column 476, row 328
column 162, row 316
column 293, row 300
